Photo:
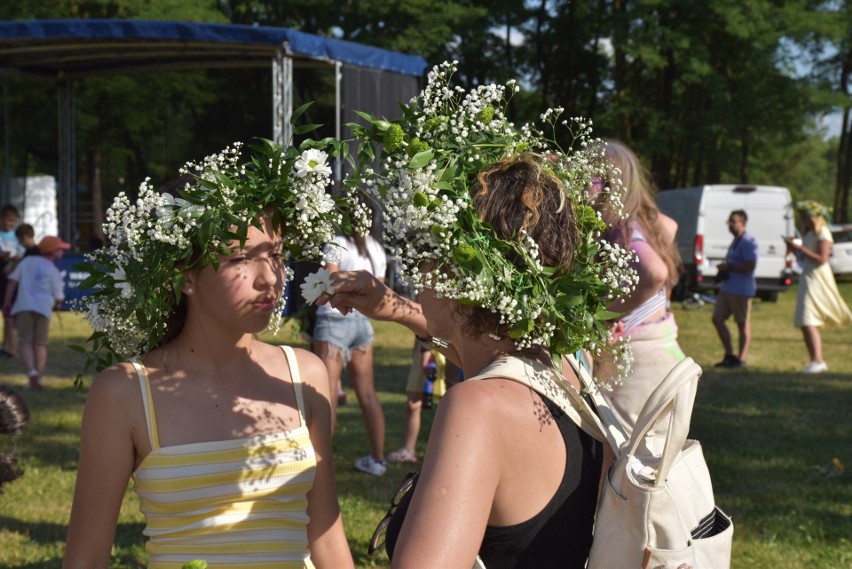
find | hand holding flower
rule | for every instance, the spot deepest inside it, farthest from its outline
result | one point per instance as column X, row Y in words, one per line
column 794, row 243
column 315, row 285
column 361, row 291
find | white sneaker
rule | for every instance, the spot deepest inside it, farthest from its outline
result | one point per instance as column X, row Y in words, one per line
column 372, row 466
column 815, row 367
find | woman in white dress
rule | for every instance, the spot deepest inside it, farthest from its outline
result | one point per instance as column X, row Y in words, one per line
column 819, row 302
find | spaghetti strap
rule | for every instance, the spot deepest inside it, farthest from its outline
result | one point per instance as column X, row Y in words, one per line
column 148, row 402
column 293, row 364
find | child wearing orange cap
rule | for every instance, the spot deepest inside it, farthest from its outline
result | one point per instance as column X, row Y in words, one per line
column 40, row 291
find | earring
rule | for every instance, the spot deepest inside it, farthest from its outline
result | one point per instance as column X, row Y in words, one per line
column 189, row 290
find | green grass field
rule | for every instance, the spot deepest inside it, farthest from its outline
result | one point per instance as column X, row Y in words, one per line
column 775, row 441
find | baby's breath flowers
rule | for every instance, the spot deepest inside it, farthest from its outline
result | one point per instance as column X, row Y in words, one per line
column 430, row 160
column 154, row 239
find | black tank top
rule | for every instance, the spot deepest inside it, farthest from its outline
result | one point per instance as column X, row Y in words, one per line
column 560, row 535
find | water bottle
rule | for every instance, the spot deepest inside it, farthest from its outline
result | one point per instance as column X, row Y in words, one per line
column 429, row 384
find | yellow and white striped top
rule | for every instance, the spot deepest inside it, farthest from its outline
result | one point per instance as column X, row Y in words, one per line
column 238, row 503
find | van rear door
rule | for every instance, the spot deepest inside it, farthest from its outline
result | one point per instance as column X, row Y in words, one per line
column 770, row 217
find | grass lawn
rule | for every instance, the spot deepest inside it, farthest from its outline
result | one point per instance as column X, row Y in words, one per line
column 775, row 441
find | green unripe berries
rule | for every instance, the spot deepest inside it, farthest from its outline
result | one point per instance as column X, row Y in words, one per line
column 393, row 138
column 486, row 114
column 431, row 124
column 421, row 200
column 416, row 145
column 464, row 254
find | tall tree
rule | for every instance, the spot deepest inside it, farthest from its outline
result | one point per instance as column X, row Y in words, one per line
column 820, row 33
column 699, row 86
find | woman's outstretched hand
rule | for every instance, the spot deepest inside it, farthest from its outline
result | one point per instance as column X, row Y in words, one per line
column 361, row 291
column 358, row 290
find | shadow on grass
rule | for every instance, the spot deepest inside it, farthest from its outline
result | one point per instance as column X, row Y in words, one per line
column 775, row 444
column 53, row 432
column 126, row 540
column 365, row 498
column 769, row 440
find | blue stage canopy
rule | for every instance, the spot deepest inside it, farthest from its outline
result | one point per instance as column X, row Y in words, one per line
column 84, row 47
column 367, row 78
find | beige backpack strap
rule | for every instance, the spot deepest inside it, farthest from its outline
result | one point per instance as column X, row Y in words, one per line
column 615, row 434
column 548, row 382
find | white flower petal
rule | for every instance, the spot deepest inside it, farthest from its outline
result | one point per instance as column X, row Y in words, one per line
column 315, row 285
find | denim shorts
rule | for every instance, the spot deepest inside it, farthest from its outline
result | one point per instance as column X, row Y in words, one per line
column 346, row 333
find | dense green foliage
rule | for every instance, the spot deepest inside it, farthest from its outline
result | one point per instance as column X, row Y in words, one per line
column 705, row 92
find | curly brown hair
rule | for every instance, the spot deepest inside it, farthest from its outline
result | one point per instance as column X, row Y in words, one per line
column 516, row 196
column 14, row 415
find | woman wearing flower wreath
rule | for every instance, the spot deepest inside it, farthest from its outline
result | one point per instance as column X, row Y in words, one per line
column 646, row 319
column 503, row 258
column 226, row 438
column 818, row 302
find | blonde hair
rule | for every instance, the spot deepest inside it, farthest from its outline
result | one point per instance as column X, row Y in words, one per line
column 638, row 191
column 818, row 221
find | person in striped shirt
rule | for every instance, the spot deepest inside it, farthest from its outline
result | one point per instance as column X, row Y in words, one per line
column 645, row 316
column 227, row 438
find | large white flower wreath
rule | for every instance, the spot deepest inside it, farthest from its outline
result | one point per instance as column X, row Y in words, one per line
column 138, row 276
column 430, row 160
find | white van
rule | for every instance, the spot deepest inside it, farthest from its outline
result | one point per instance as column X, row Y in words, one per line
column 703, row 238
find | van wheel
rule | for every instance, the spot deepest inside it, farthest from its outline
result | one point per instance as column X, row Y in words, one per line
column 768, row 295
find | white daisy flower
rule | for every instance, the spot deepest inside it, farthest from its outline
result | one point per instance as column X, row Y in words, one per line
column 315, row 285
column 312, row 160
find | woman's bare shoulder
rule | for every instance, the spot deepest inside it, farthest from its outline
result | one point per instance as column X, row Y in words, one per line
column 669, row 226
column 307, row 360
column 115, row 396
column 487, row 399
column 312, row 370
column 117, row 379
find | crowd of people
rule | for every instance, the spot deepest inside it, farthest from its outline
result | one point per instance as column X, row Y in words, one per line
column 31, row 289
column 228, row 440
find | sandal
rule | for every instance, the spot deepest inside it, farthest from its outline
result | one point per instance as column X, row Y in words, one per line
column 402, row 455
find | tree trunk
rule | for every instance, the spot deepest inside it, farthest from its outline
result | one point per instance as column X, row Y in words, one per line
column 842, row 199
column 714, row 168
column 620, row 68
column 841, row 168
column 97, row 196
column 841, row 191
column 507, row 42
column 744, row 152
column 662, row 161
column 541, row 56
